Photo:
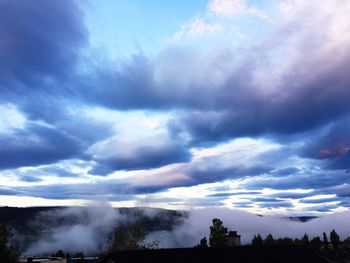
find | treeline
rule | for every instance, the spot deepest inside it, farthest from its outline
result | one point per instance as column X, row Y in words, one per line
column 133, row 237
column 333, row 242
column 330, row 246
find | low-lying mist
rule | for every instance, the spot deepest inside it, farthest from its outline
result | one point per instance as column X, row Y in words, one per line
column 77, row 229
column 88, row 227
column 247, row 224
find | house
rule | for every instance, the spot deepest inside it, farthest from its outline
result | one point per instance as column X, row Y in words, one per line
column 85, row 260
column 240, row 254
column 42, row 260
column 233, row 239
column 57, row 260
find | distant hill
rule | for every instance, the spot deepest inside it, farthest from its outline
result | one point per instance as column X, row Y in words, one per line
column 32, row 223
column 302, row 219
column 22, row 218
column 37, row 223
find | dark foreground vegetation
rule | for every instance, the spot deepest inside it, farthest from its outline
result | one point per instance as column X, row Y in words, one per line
column 8, row 254
column 127, row 243
column 242, row 254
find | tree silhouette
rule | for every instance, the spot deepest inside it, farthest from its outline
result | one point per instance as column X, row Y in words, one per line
column 257, row 240
column 60, row 254
column 218, row 234
column 129, row 237
column 203, row 243
column 269, row 240
column 7, row 252
column 79, row 255
column 325, row 240
column 305, row 240
column 335, row 240
column 316, row 243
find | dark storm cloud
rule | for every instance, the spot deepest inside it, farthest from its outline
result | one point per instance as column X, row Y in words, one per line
column 345, row 203
column 280, row 204
column 203, row 202
column 270, row 202
column 307, row 180
column 215, row 174
column 209, row 172
column 4, row 191
column 30, row 178
column 285, row 171
column 110, row 190
column 322, row 208
column 332, row 146
column 39, row 41
column 142, row 82
column 73, row 191
column 144, row 157
column 40, row 45
column 320, row 200
column 234, row 194
column 341, row 190
column 234, row 108
column 196, row 175
column 52, row 170
column 293, row 195
column 305, row 108
column 37, row 145
column 44, row 105
column 85, row 128
column 243, row 206
column 265, row 199
column 128, row 87
column 36, row 174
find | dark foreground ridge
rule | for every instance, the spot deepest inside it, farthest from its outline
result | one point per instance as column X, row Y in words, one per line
column 243, row 254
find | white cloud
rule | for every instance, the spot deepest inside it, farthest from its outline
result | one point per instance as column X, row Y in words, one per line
column 210, row 23
column 10, row 118
column 231, row 8
column 195, row 28
column 227, row 8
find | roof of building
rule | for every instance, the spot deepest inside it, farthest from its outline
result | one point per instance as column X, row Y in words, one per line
column 246, row 254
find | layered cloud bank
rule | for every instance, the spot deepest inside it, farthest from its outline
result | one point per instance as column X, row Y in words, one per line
column 245, row 106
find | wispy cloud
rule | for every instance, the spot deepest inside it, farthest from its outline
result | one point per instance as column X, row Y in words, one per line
column 232, row 8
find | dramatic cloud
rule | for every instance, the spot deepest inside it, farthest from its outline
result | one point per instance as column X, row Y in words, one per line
column 246, row 99
column 333, row 145
column 36, row 145
column 128, row 154
column 39, row 42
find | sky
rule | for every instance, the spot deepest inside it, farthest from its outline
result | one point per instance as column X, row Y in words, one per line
column 176, row 104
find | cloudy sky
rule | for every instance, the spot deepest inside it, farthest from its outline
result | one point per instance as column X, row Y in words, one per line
column 176, row 104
